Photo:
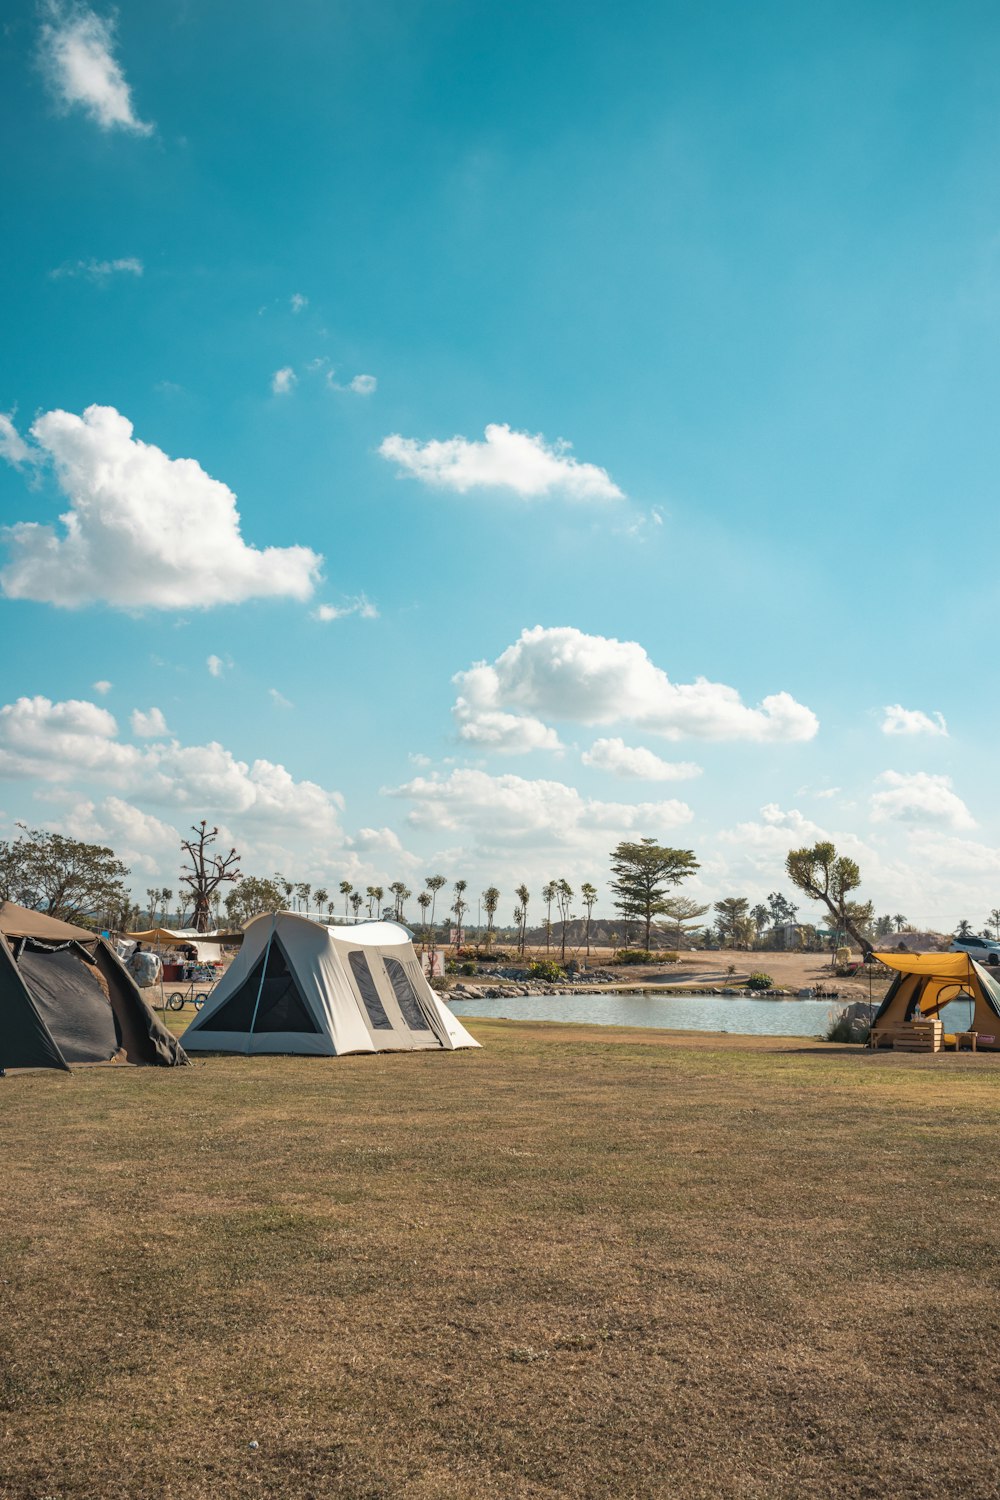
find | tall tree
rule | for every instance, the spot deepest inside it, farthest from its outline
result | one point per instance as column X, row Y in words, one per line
column 460, row 906
column 524, row 896
column 883, row 927
column 346, row 890
column 491, row 900
column 401, row 895
column 899, row 922
column 251, row 896
column 288, row 887
column 643, row 873
column 760, row 916
column 733, row 920
column 357, row 901
column 964, row 929
column 434, row 883
column 302, row 894
column 321, row 896
column 206, row 872
column 783, row 912
column 64, row 877
column 548, row 896
column 424, row 901
column 564, row 899
column 588, row 895
column 994, row 922
column 829, row 878
column 680, row 919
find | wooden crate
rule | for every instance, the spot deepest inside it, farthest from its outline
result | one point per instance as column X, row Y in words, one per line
column 919, row 1036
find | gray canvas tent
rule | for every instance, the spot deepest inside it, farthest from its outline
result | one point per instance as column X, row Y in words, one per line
column 65, row 998
column 301, row 986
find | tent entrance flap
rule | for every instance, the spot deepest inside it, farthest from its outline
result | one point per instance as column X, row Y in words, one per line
column 269, row 999
column 72, row 1003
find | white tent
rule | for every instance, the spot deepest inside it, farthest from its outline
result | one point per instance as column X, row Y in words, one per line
column 300, row 986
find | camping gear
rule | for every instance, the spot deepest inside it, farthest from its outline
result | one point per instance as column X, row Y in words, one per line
column 947, row 988
column 207, row 945
column 65, row 997
column 304, row 987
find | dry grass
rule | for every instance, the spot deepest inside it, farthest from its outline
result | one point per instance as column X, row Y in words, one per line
column 579, row 1263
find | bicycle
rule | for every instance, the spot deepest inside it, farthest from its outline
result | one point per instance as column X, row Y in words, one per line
column 197, row 974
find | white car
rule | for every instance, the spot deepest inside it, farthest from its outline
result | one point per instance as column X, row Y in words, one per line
column 983, row 950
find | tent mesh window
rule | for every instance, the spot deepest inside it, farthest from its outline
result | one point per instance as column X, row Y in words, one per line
column 281, row 1007
column 369, row 994
column 405, row 995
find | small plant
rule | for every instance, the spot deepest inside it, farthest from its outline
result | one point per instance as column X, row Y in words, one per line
column 759, row 981
column 843, row 1029
column 467, row 968
column 545, row 969
column 671, row 956
column 634, row 956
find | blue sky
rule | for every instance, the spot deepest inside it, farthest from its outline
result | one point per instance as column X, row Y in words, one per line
column 368, row 269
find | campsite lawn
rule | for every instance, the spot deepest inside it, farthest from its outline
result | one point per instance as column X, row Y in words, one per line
column 580, row 1262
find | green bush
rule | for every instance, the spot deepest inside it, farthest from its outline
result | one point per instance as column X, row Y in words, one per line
column 467, row 968
column 634, row 956
column 546, row 969
column 759, row 981
column 841, row 1029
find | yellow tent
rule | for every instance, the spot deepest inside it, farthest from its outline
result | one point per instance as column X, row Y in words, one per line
column 950, row 987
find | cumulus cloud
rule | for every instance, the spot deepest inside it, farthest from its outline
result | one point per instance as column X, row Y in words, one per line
column 516, row 461
column 59, row 742
column 151, row 726
column 918, row 797
column 511, row 810
column 99, row 270
column 361, row 606
column 216, row 666
column 283, row 380
column 899, row 720
column 562, row 673
column 364, row 385
column 298, row 302
column 146, row 844
column 637, row 763
column 76, row 51
column 102, row 686
column 143, row 530
column 507, row 734
column 12, row 445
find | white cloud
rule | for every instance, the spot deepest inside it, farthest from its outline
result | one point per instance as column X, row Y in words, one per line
column 143, row 530
column 899, row 720
column 283, row 380
column 145, row 843
column 516, row 461
column 364, row 385
column 636, row 762
column 12, row 445
column 99, row 270
column 278, row 699
column 60, row 742
column 76, row 53
column 918, row 797
column 361, row 606
column 563, row 673
column 298, row 302
column 102, row 687
column 507, row 734
column 151, row 726
column 504, row 810
column 216, row 666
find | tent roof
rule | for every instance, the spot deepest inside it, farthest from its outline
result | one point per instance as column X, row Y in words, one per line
column 374, row 934
column 184, row 935
column 941, row 965
column 21, row 922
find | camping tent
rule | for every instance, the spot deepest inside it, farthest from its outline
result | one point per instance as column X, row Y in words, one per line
column 65, row 997
column 208, row 945
column 301, row 986
column 950, row 987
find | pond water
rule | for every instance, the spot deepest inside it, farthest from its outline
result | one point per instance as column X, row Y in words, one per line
column 665, row 1012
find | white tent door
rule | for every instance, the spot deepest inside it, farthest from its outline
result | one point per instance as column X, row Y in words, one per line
column 390, row 1004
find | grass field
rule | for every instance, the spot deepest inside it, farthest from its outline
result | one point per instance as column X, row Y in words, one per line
column 580, row 1262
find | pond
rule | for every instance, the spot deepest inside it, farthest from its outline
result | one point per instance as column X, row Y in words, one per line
column 665, row 1012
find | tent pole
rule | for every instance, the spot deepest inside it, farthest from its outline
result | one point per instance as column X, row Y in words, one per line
column 260, row 987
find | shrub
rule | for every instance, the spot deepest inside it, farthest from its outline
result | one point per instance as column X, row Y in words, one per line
column 759, row 981
column 671, row 956
column 467, row 968
column 546, row 969
column 634, row 956
column 842, row 1029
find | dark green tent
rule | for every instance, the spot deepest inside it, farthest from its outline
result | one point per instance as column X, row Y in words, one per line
column 66, row 998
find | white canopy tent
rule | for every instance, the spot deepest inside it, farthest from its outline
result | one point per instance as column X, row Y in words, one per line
column 301, row 986
column 208, row 945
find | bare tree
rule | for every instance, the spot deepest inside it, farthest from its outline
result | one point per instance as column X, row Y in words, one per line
column 207, row 872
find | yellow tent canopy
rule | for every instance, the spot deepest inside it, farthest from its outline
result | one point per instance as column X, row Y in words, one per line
column 951, row 987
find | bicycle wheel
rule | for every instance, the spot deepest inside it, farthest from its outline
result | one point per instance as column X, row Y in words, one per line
column 176, row 1001
column 199, row 1001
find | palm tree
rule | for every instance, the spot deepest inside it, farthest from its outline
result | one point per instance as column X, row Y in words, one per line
column 964, row 929
column 166, row 896
column 519, row 915
column 899, row 922
column 346, row 890
column 524, row 896
column 564, row 896
column 402, row 895
column 588, row 895
column 288, row 886
column 548, row 896
column 424, row 901
column 460, row 906
column 356, row 902
column 434, row 884
column 994, row 921
column 320, row 896
column 491, row 900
